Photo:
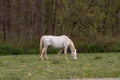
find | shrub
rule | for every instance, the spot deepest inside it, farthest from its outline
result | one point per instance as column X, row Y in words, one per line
column 17, row 51
column 89, row 47
column 94, row 48
column 52, row 50
column 5, row 49
column 32, row 51
column 116, row 46
column 8, row 50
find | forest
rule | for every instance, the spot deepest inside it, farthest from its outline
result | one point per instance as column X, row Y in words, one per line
column 93, row 25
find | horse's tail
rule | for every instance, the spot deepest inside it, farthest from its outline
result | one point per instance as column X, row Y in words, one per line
column 41, row 44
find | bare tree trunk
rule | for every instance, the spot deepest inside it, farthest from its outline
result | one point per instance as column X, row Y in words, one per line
column 54, row 17
column 19, row 10
column 105, row 17
column 39, row 18
column 4, row 24
column 115, row 25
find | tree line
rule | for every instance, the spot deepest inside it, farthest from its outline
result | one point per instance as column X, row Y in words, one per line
column 93, row 25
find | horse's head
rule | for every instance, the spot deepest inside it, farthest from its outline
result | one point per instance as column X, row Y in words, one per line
column 74, row 54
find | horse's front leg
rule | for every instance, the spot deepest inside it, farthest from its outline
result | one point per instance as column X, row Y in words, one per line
column 65, row 52
column 46, row 54
column 60, row 51
column 42, row 52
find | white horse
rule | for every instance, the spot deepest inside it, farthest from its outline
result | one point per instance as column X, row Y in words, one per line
column 60, row 42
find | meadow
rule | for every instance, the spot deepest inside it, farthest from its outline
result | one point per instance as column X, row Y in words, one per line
column 88, row 65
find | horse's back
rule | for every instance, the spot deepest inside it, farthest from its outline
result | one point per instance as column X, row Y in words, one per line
column 51, row 36
column 56, row 38
column 56, row 41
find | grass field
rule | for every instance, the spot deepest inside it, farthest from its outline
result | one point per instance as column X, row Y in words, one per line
column 28, row 67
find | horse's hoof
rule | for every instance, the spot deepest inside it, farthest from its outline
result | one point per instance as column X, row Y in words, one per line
column 41, row 59
column 67, row 59
column 47, row 59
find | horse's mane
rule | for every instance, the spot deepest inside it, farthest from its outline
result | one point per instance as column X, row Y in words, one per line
column 71, row 42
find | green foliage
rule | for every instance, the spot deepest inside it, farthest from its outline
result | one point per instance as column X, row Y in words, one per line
column 33, row 48
column 32, row 51
column 17, row 51
column 116, row 46
column 8, row 50
column 90, row 47
column 93, row 48
column 112, row 46
column 5, row 49
column 52, row 50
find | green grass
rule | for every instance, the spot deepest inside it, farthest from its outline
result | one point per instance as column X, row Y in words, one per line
column 29, row 67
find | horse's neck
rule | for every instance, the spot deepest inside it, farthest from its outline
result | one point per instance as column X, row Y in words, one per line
column 72, row 47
